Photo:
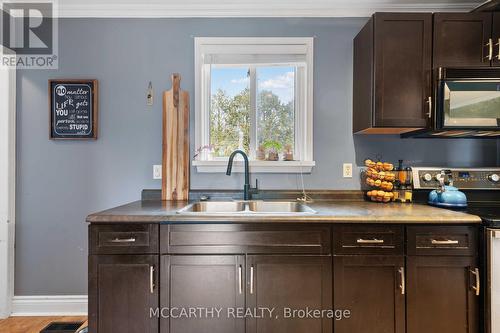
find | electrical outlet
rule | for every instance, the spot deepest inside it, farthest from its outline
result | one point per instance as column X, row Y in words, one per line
column 156, row 171
column 347, row 170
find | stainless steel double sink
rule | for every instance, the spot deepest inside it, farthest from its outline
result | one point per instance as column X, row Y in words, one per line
column 247, row 207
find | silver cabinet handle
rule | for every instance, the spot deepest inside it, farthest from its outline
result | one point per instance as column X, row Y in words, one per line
column 151, row 279
column 402, row 286
column 477, row 287
column 123, row 240
column 429, row 102
column 490, row 49
column 444, row 242
column 369, row 241
column 251, row 279
column 240, row 285
column 498, row 44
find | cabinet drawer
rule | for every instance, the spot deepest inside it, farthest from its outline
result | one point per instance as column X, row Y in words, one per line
column 245, row 238
column 453, row 240
column 123, row 239
column 368, row 239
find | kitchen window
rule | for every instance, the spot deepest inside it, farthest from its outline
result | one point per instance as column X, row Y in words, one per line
column 254, row 94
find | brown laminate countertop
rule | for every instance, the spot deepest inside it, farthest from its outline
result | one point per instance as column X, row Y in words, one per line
column 151, row 211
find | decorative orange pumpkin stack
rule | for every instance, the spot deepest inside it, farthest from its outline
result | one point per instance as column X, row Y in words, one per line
column 380, row 178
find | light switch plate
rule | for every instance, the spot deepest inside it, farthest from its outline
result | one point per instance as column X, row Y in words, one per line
column 156, row 171
column 347, row 170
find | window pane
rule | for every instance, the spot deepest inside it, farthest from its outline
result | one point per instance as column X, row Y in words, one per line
column 276, row 108
column 229, row 110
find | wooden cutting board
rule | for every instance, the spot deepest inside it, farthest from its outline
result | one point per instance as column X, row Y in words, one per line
column 175, row 169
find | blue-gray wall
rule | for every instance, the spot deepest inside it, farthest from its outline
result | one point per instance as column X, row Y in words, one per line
column 60, row 182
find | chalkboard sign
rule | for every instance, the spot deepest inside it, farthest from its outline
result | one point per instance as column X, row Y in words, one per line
column 73, row 109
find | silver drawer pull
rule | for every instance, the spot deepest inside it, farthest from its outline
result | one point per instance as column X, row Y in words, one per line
column 123, row 240
column 251, row 279
column 151, row 279
column 490, row 49
column 369, row 241
column 444, row 242
column 240, row 279
column 477, row 286
column 402, row 286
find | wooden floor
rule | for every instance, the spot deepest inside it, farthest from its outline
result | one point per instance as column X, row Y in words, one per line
column 32, row 324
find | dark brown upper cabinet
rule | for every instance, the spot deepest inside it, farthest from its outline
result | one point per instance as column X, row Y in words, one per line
column 495, row 36
column 464, row 40
column 392, row 74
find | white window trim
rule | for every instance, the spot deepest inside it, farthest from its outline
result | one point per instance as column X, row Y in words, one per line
column 304, row 120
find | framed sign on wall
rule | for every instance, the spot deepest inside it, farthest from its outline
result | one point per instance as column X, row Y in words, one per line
column 73, row 109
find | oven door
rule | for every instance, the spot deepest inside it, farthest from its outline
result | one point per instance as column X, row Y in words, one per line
column 493, row 281
column 468, row 104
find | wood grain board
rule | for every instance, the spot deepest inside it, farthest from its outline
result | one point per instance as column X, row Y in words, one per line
column 32, row 324
column 175, row 161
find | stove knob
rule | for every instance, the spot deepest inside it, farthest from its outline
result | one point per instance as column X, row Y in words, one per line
column 427, row 177
column 495, row 178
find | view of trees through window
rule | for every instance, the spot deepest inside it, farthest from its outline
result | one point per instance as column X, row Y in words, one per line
column 231, row 109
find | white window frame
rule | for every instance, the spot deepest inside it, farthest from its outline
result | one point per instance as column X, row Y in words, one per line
column 303, row 118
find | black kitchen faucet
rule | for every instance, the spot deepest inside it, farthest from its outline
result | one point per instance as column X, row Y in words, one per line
column 246, row 188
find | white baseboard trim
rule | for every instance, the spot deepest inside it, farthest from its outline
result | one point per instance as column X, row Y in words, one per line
column 73, row 305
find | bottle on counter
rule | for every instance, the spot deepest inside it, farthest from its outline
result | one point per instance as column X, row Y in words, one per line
column 408, row 185
column 396, row 189
column 401, row 173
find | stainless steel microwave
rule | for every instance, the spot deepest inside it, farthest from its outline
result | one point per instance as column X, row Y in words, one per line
column 468, row 99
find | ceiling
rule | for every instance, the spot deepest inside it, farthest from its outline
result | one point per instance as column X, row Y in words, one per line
column 253, row 8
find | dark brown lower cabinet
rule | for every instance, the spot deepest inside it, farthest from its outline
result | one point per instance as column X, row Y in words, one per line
column 122, row 290
column 287, row 283
column 204, row 282
column 441, row 296
column 431, row 289
column 372, row 289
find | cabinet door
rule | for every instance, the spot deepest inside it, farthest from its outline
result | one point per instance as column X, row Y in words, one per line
column 403, row 55
column 288, row 283
column 460, row 39
column 372, row 289
column 205, row 282
column 496, row 39
column 441, row 298
column 122, row 290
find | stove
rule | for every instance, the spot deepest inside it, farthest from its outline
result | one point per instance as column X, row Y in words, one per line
column 482, row 187
column 489, row 213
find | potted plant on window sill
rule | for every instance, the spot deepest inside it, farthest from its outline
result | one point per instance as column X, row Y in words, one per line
column 273, row 148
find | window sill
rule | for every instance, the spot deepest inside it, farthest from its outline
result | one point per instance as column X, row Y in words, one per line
column 256, row 166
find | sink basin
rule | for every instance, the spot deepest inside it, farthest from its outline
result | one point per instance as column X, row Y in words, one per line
column 246, row 207
column 279, row 207
column 214, row 207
